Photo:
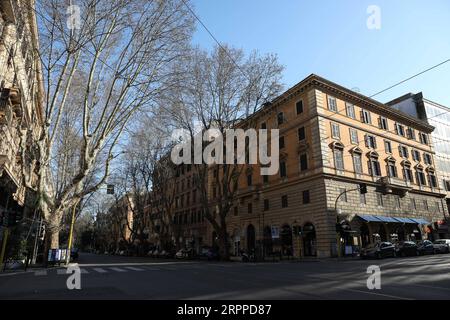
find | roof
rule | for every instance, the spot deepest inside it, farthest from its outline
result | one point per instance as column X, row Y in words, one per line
column 315, row 81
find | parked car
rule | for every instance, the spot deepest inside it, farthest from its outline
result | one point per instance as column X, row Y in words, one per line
column 209, row 253
column 441, row 246
column 184, row 254
column 425, row 247
column 407, row 248
column 378, row 250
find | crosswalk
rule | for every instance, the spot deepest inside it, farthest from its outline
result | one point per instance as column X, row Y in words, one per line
column 114, row 269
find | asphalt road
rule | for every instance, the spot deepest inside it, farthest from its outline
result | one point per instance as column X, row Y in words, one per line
column 111, row 277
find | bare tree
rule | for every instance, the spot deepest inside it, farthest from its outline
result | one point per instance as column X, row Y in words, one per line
column 220, row 91
column 98, row 69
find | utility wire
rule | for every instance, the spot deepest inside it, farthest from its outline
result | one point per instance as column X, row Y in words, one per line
column 214, row 38
column 412, row 77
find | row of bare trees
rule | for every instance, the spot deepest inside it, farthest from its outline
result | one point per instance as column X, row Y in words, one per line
column 121, row 62
column 215, row 90
column 100, row 66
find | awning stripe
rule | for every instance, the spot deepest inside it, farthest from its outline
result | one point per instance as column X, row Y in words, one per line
column 375, row 218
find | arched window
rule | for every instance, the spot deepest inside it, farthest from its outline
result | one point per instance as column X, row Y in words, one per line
column 357, row 160
column 391, row 167
column 374, row 164
column 432, row 177
column 338, row 155
column 407, row 172
column 420, row 176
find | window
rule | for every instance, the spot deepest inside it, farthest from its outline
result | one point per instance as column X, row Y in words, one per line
column 265, row 178
column 263, row 125
column 365, row 117
column 350, row 110
column 400, row 129
column 249, row 180
column 427, row 158
column 447, row 185
column 425, row 205
column 301, row 134
column 407, row 174
column 235, row 211
column 339, row 159
column 280, row 118
column 335, row 131
column 281, row 143
column 357, row 163
column 413, row 205
column 299, row 106
column 332, row 104
column 438, row 206
column 420, row 177
column 306, row 197
column 397, row 202
column 303, row 162
column 387, row 146
column 432, row 180
column 423, row 138
column 411, row 134
column 283, row 169
column 380, row 201
column 403, row 151
column 343, row 193
column 284, row 201
column 416, row 155
column 392, row 169
column 354, row 136
column 374, row 167
column 383, row 123
column 371, row 141
column 249, row 207
column 362, row 198
column 266, row 204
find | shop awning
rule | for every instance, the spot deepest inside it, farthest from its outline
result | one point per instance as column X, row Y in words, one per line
column 421, row 221
column 369, row 218
column 405, row 220
column 374, row 218
column 386, row 219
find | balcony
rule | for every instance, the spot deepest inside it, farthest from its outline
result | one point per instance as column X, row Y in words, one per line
column 391, row 185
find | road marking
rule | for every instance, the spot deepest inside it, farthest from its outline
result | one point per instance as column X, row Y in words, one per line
column 100, row 270
column 83, row 271
column 117, row 269
column 40, row 273
column 378, row 294
column 134, row 269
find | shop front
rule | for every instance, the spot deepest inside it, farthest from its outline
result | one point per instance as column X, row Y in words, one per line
column 374, row 228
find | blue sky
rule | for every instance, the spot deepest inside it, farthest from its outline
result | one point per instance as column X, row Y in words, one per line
column 331, row 38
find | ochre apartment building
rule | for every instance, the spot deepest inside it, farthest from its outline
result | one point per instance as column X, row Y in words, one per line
column 331, row 140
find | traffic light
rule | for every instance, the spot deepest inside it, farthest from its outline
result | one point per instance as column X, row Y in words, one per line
column 110, row 189
column 363, row 188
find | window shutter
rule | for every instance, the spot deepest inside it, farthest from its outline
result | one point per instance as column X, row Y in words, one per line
column 369, row 166
column 379, row 123
column 366, row 139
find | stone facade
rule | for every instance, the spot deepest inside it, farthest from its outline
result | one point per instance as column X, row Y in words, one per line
column 20, row 102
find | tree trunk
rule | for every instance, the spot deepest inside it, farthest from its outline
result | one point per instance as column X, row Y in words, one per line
column 223, row 245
